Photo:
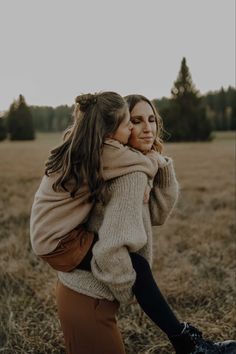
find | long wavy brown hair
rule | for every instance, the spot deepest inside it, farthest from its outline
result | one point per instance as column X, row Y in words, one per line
column 78, row 159
column 132, row 100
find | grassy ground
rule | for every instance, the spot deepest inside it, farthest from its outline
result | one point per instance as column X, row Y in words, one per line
column 194, row 262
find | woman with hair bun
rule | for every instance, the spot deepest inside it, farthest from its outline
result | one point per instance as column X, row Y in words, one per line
column 129, row 190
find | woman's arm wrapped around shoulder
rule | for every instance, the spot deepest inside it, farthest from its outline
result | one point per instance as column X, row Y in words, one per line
column 122, row 231
column 164, row 193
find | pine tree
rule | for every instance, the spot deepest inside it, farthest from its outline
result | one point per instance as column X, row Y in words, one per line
column 232, row 105
column 20, row 121
column 3, row 128
column 11, row 117
column 186, row 118
column 183, row 87
column 221, row 108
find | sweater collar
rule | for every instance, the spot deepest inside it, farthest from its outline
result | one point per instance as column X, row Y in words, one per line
column 113, row 142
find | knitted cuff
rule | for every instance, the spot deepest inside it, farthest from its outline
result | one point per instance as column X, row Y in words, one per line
column 165, row 176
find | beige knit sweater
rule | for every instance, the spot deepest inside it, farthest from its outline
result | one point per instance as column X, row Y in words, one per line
column 124, row 225
column 55, row 214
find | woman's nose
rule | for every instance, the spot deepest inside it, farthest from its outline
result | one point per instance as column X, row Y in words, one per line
column 147, row 127
column 131, row 125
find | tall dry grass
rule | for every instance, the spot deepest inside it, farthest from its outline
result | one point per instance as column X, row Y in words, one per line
column 194, row 252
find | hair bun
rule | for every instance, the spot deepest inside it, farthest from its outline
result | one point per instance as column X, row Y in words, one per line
column 85, row 101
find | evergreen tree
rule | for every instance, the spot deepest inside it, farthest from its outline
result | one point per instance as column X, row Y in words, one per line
column 20, row 121
column 3, row 128
column 63, row 117
column 232, row 104
column 11, row 117
column 185, row 118
column 49, row 119
column 183, row 87
column 221, row 108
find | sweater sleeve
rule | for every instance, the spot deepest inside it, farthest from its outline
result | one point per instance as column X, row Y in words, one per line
column 164, row 193
column 122, row 231
column 119, row 160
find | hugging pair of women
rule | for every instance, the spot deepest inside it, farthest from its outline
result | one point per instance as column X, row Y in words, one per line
column 104, row 188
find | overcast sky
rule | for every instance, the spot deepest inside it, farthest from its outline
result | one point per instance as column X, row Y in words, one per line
column 53, row 50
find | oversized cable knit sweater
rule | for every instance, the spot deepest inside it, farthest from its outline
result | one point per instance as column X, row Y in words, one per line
column 55, row 214
column 124, row 225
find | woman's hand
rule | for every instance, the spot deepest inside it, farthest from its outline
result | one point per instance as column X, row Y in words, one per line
column 161, row 160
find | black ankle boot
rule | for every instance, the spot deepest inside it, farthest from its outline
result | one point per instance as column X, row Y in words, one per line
column 190, row 341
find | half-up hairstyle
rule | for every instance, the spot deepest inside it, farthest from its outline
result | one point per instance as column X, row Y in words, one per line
column 132, row 100
column 78, row 159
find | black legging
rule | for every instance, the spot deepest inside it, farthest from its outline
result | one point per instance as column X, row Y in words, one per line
column 147, row 293
column 151, row 299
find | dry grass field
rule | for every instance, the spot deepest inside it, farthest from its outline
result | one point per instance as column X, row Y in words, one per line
column 194, row 261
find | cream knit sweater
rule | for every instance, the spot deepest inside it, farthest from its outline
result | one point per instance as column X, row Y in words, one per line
column 124, row 225
column 55, row 214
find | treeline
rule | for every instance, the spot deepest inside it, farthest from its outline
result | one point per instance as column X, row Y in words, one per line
column 21, row 122
column 49, row 119
column 220, row 108
column 187, row 115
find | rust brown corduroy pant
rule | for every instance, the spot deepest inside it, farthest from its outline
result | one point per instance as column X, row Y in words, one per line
column 88, row 324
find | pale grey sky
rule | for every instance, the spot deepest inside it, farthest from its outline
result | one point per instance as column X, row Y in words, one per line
column 53, row 50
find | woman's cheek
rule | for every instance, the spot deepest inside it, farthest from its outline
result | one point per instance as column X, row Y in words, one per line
column 133, row 141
